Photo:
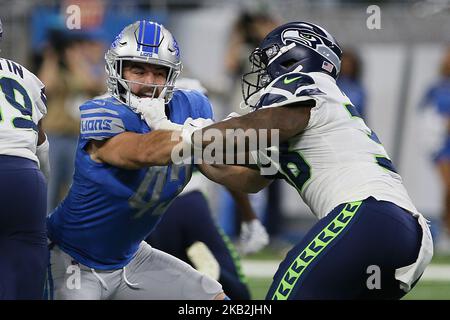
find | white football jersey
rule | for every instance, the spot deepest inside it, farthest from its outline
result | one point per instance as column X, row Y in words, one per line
column 337, row 158
column 22, row 105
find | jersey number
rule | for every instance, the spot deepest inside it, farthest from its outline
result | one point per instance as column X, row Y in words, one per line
column 10, row 88
column 297, row 171
column 294, row 169
column 380, row 159
column 155, row 176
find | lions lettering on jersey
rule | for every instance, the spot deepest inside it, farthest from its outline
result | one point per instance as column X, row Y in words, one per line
column 108, row 210
column 337, row 158
column 100, row 123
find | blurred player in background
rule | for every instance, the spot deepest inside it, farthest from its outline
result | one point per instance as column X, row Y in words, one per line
column 23, row 189
column 370, row 241
column 249, row 28
column 71, row 73
column 119, row 189
column 188, row 230
column 436, row 117
column 349, row 81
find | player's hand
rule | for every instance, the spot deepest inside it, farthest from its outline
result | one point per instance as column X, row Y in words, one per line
column 198, row 123
column 253, row 238
column 192, row 125
column 231, row 116
column 153, row 110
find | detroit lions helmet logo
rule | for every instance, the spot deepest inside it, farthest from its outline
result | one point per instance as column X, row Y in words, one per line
column 176, row 48
column 117, row 41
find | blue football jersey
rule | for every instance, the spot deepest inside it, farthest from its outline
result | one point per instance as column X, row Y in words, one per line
column 439, row 97
column 108, row 210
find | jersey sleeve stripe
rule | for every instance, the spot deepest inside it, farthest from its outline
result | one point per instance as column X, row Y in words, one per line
column 87, row 110
column 98, row 115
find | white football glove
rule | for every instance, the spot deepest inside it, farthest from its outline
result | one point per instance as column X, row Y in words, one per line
column 231, row 116
column 192, row 125
column 253, row 237
column 153, row 112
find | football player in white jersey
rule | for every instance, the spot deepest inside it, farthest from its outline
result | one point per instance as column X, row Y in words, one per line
column 23, row 190
column 370, row 241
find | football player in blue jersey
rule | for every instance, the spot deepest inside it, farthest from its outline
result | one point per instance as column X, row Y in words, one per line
column 370, row 241
column 120, row 189
column 23, row 190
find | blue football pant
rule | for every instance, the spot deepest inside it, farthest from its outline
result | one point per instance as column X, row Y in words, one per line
column 343, row 252
column 23, row 241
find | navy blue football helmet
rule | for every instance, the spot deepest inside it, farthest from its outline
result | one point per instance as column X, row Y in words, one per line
column 299, row 46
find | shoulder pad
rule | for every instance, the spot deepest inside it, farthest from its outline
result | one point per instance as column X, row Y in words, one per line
column 198, row 104
column 289, row 88
column 292, row 81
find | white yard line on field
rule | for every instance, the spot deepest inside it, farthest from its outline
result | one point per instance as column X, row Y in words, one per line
column 267, row 268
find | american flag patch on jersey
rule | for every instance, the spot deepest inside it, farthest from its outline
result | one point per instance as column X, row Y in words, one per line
column 327, row 66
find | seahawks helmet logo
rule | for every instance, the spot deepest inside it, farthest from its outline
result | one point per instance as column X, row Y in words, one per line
column 310, row 40
column 295, row 35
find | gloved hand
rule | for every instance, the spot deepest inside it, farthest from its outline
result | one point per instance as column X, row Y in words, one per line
column 153, row 112
column 186, row 149
column 231, row 116
column 192, row 125
column 253, row 237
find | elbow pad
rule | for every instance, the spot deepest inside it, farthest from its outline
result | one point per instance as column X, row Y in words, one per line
column 42, row 154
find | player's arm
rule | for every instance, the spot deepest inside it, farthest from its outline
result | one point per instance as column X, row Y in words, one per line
column 42, row 150
column 288, row 121
column 243, row 205
column 42, row 137
column 236, row 178
column 131, row 150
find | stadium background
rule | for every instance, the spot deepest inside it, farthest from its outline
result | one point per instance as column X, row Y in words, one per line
column 399, row 62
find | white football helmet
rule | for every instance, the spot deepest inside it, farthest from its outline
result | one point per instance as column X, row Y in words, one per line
column 147, row 42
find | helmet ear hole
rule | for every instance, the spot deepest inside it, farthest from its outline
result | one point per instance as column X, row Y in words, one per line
column 121, row 89
column 289, row 63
